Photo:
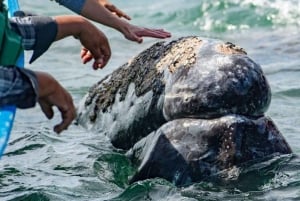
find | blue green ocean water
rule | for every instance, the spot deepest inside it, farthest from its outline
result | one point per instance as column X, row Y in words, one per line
column 79, row 165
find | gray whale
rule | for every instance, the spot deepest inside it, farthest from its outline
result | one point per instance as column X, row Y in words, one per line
column 172, row 84
column 190, row 150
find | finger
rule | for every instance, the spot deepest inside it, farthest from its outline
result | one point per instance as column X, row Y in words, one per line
column 121, row 14
column 99, row 63
column 47, row 109
column 68, row 114
column 134, row 37
column 85, row 55
column 85, row 59
column 101, row 57
column 83, row 52
column 105, row 58
column 136, row 33
column 155, row 33
column 127, row 17
column 139, row 39
column 112, row 8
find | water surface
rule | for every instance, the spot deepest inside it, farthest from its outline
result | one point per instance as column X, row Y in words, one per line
column 80, row 165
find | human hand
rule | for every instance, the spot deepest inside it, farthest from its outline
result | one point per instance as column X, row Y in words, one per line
column 112, row 8
column 95, row 46
column 89, row 35
column 51, row 93
column 136, row 33
column 97, row 12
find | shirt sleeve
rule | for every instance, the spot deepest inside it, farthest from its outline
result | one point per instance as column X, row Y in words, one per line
column 37, row 32
column 74, row 5
column 18, row 86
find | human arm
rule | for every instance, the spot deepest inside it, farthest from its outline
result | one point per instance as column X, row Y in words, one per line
column 94, row 10
column 77, row 5
column 24, row 88
column 39, row 32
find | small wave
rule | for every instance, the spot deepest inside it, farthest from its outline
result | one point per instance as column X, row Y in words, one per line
column 227, row 15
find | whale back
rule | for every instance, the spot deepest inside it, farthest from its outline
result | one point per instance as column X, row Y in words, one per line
column 189, row 77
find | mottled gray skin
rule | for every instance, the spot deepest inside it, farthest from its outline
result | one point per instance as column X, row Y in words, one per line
column 189, row 77
column 190, row 150
column 202, row 100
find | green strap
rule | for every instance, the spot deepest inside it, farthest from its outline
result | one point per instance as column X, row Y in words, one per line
column 10, row 42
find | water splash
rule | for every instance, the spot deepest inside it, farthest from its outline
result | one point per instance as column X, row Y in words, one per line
column 229, row 15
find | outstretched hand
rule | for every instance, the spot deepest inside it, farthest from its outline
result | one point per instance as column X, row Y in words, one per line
column 136, row 33
column 101, row 11
column 132, row 32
